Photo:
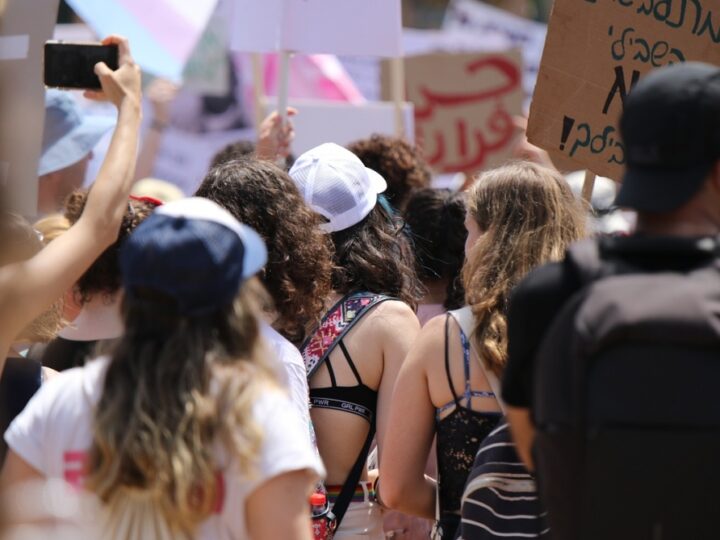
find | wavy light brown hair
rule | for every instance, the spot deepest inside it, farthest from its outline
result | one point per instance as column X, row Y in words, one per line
column 103, row 276
column 174, row 388
column 375, row 255
column 529, row 216
column 398, row 162
column 297, row 274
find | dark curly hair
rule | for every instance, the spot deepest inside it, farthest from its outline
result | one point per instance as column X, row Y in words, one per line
column 397, row 161
column 436, row 220
column 240, row 150
column 375, row 255
column 297, row 274
column 104, row 274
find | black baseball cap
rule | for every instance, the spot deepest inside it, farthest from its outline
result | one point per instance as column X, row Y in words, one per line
column 671, row 131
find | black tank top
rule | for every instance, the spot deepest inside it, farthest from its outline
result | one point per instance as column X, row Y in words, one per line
column 360, row 400
column 459, row 435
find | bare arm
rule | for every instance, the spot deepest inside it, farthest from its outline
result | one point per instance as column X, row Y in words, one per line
column 160, row 93
column 17, row 471
column 399, row 327
column 408, row 438
column 27, row 288
column 280, row 507
column 523, row 432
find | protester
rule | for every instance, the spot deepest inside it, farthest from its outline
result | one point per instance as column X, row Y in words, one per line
column 297, row 274
column 185, row 430
column 643, row 307
column 98, row 292
column 369, row 317
column 519, row 216
column 68, row 140
column 398, row 162
column 28, row 288
column 436, row 220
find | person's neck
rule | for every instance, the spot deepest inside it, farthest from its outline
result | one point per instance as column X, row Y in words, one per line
column 656, row 226
column 436, row 292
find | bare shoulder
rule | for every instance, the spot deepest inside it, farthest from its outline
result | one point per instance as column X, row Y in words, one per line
column 430, row 342
column 394, row 309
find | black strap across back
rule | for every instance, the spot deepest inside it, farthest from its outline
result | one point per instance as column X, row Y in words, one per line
column 360, row 399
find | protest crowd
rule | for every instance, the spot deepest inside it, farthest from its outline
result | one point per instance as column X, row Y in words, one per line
column 437, row 320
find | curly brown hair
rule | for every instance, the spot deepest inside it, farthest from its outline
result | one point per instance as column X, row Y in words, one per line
column 297, row 274
column 398, row 162
column 529, row 217
column 103, row 277
column 375, row 255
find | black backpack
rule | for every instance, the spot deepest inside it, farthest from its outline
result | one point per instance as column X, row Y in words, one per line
column 627, row 402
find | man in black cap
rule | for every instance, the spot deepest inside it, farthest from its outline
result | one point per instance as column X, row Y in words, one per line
column 671, row 131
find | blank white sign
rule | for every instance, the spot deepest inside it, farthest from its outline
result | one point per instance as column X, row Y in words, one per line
column 350, row 27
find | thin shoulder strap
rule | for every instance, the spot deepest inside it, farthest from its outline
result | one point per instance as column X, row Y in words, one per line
column 465, row 320
column 344, row 350
column 447, row 361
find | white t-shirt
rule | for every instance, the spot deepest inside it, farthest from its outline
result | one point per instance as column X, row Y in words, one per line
column 292, row 369
column 53, row 434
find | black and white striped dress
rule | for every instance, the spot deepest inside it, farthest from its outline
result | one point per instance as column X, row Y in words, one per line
column 500, row 498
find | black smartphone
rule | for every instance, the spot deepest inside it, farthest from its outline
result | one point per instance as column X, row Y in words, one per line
column 72, row 65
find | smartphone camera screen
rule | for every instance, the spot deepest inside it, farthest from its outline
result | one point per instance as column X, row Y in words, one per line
column 72, row 65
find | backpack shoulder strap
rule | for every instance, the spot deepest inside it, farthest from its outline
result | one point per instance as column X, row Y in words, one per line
column 336, row 323
column 466, row 321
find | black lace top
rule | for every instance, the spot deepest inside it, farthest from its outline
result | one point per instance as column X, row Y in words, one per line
column 459, row 435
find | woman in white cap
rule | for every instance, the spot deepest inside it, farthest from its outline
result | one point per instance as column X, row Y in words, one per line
column 29, row 287
column 182, row 431
column 371, row 320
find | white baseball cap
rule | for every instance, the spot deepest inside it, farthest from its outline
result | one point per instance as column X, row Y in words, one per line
column 336, row 184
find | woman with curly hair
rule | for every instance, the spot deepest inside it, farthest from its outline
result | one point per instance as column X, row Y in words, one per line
column 297, row 274
column 398, row 162
column 518, row 217
column 350, row 392
column 182, row 430
column 97, row 292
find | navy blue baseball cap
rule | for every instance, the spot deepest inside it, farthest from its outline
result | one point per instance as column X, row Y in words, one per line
column 193, row 251
column 671, row 130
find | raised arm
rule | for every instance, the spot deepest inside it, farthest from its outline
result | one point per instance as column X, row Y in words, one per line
column 29, row 287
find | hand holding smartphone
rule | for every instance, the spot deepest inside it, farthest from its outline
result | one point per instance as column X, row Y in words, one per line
column 72, row 65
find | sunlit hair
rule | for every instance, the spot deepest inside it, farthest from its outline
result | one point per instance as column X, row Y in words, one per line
column 297, row 274
column 51, row 227
column 529, row 216
column 177, row 386
column 436, row 220
column 375, row 255
column 103, row 276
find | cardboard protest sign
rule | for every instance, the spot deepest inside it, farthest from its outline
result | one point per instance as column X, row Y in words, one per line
column 464, row 104
column 162, row 33
column 356, row 27
column 488, row 21
column 595, row 53
column 24, row 27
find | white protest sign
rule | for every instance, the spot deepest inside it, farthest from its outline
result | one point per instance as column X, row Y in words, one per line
column 24, row 28
column 352, row 27
column 488, row 21
column 319, row 122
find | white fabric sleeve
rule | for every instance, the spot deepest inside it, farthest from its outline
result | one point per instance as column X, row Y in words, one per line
column 299, row 392
column 27, row 435
column 286, row 443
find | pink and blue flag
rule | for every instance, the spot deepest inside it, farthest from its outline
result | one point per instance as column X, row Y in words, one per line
column 162, row 33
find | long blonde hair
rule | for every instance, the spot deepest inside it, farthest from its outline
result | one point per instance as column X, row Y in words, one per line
column 175, row 388
column 529, row 216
